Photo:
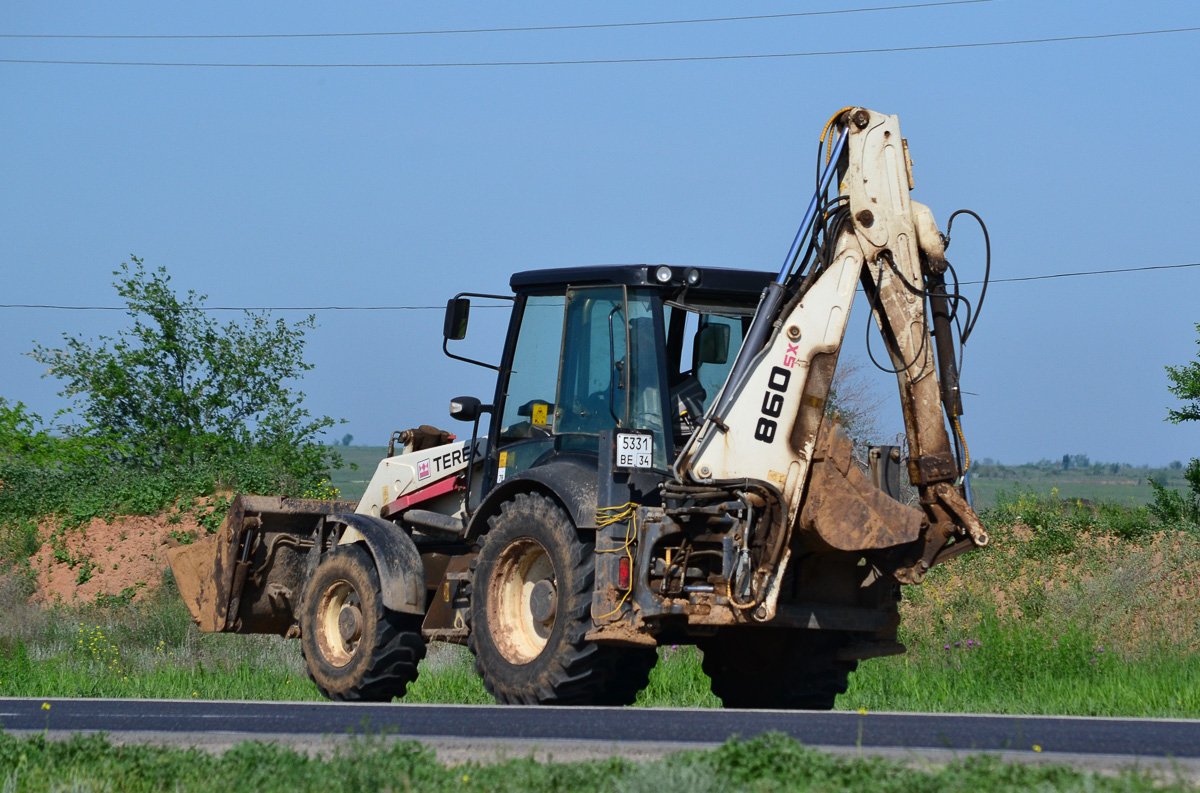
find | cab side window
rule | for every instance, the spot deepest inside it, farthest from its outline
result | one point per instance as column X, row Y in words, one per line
column 527, row 423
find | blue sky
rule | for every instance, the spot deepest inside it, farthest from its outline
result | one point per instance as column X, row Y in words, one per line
column 402, row 186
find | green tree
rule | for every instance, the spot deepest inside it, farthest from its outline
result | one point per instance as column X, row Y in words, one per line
column 1171, row 505
column 175, row 386
column 1185, row 384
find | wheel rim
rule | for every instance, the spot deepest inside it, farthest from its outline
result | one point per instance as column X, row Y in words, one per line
column 339, row 623
column 519, row 635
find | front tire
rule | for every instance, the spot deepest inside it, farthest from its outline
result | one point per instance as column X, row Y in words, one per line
column 356, row 648
column 531, row 597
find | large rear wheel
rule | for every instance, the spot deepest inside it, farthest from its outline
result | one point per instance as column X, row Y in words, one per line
column 776, row 668
column 356, row 648
column 531, row 597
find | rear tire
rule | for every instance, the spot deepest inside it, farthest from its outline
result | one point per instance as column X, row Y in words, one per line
column 356, row 648
column 773, row 668
column 629, row 673
column 531, row 596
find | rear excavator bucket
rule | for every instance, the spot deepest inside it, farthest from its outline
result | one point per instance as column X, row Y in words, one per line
column 844, row 511
column 213, row 572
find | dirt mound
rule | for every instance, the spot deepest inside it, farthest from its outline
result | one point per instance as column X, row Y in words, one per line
column 125, row 556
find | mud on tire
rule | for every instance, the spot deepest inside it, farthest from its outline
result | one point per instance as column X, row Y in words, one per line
column 356, row 649
column 775, row 668
column 531, row 596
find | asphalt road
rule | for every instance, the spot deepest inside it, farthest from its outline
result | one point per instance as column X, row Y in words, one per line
column 1132, row 738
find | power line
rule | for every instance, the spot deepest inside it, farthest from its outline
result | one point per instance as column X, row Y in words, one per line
column 505, row 305
column 1088, row 272
column 605, row 61
column 597, row 26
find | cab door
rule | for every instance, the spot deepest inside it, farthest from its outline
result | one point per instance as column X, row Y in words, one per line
column 613, row 368
column 583, row 362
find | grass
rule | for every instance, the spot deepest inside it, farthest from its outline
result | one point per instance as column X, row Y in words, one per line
column 150, row 650
column 1026, row 671
column 765, row 763
column 1076, row 609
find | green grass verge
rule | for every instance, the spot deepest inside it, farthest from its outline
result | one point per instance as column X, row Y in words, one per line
column 1009, row 669
column 766, row 763
column 1005, row 669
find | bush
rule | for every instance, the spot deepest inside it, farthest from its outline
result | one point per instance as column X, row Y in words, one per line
column 1172, row 506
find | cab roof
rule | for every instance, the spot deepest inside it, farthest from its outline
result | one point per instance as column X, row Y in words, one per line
column 712, row 279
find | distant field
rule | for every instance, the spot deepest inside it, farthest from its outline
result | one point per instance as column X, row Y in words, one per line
column 1130, row 493
column 354, row 483
column 1126, row 486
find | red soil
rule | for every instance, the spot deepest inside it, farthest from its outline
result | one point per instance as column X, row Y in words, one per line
column 128, row 552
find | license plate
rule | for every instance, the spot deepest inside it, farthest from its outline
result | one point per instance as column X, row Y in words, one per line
column 634, row 449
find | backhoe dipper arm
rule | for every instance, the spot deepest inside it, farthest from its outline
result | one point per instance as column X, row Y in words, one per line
column 906, row 260
column 768, row 424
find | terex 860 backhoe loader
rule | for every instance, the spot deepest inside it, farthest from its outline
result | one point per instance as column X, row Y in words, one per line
column 659, row 467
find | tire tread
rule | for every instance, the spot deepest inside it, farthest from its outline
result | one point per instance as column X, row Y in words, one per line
column 579, row 672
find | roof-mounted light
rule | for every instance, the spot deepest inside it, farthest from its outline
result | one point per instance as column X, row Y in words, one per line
column 692, row 277
column 662, row 274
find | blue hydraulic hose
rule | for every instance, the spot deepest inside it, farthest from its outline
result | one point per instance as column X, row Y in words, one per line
column 773, row 297
column 830, row 169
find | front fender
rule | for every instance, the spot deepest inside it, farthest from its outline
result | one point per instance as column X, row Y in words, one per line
column 571, row 479
column 401, row 574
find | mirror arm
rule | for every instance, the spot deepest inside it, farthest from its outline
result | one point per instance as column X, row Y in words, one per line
column 446, row 340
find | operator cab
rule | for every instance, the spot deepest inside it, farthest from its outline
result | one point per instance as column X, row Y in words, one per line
column 594, row 349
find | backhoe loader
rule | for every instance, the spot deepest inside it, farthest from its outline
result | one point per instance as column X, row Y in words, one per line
column 657, row 465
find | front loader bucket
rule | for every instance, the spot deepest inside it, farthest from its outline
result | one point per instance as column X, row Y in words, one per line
column 195, row 569
column 212, row 573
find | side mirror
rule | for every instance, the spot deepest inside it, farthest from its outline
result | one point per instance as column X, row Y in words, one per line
column 465, row 408
column 712, row 344
column 458, row 310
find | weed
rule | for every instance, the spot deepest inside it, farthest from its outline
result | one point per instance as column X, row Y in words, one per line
column 124, row 598
column 186, row 537
column 323, row 490
column 86, row 568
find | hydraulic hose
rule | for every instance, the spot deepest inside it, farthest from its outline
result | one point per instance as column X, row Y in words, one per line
column 768, row 309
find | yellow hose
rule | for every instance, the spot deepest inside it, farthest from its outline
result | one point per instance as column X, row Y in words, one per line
column 829, row 125
column 966, row 453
